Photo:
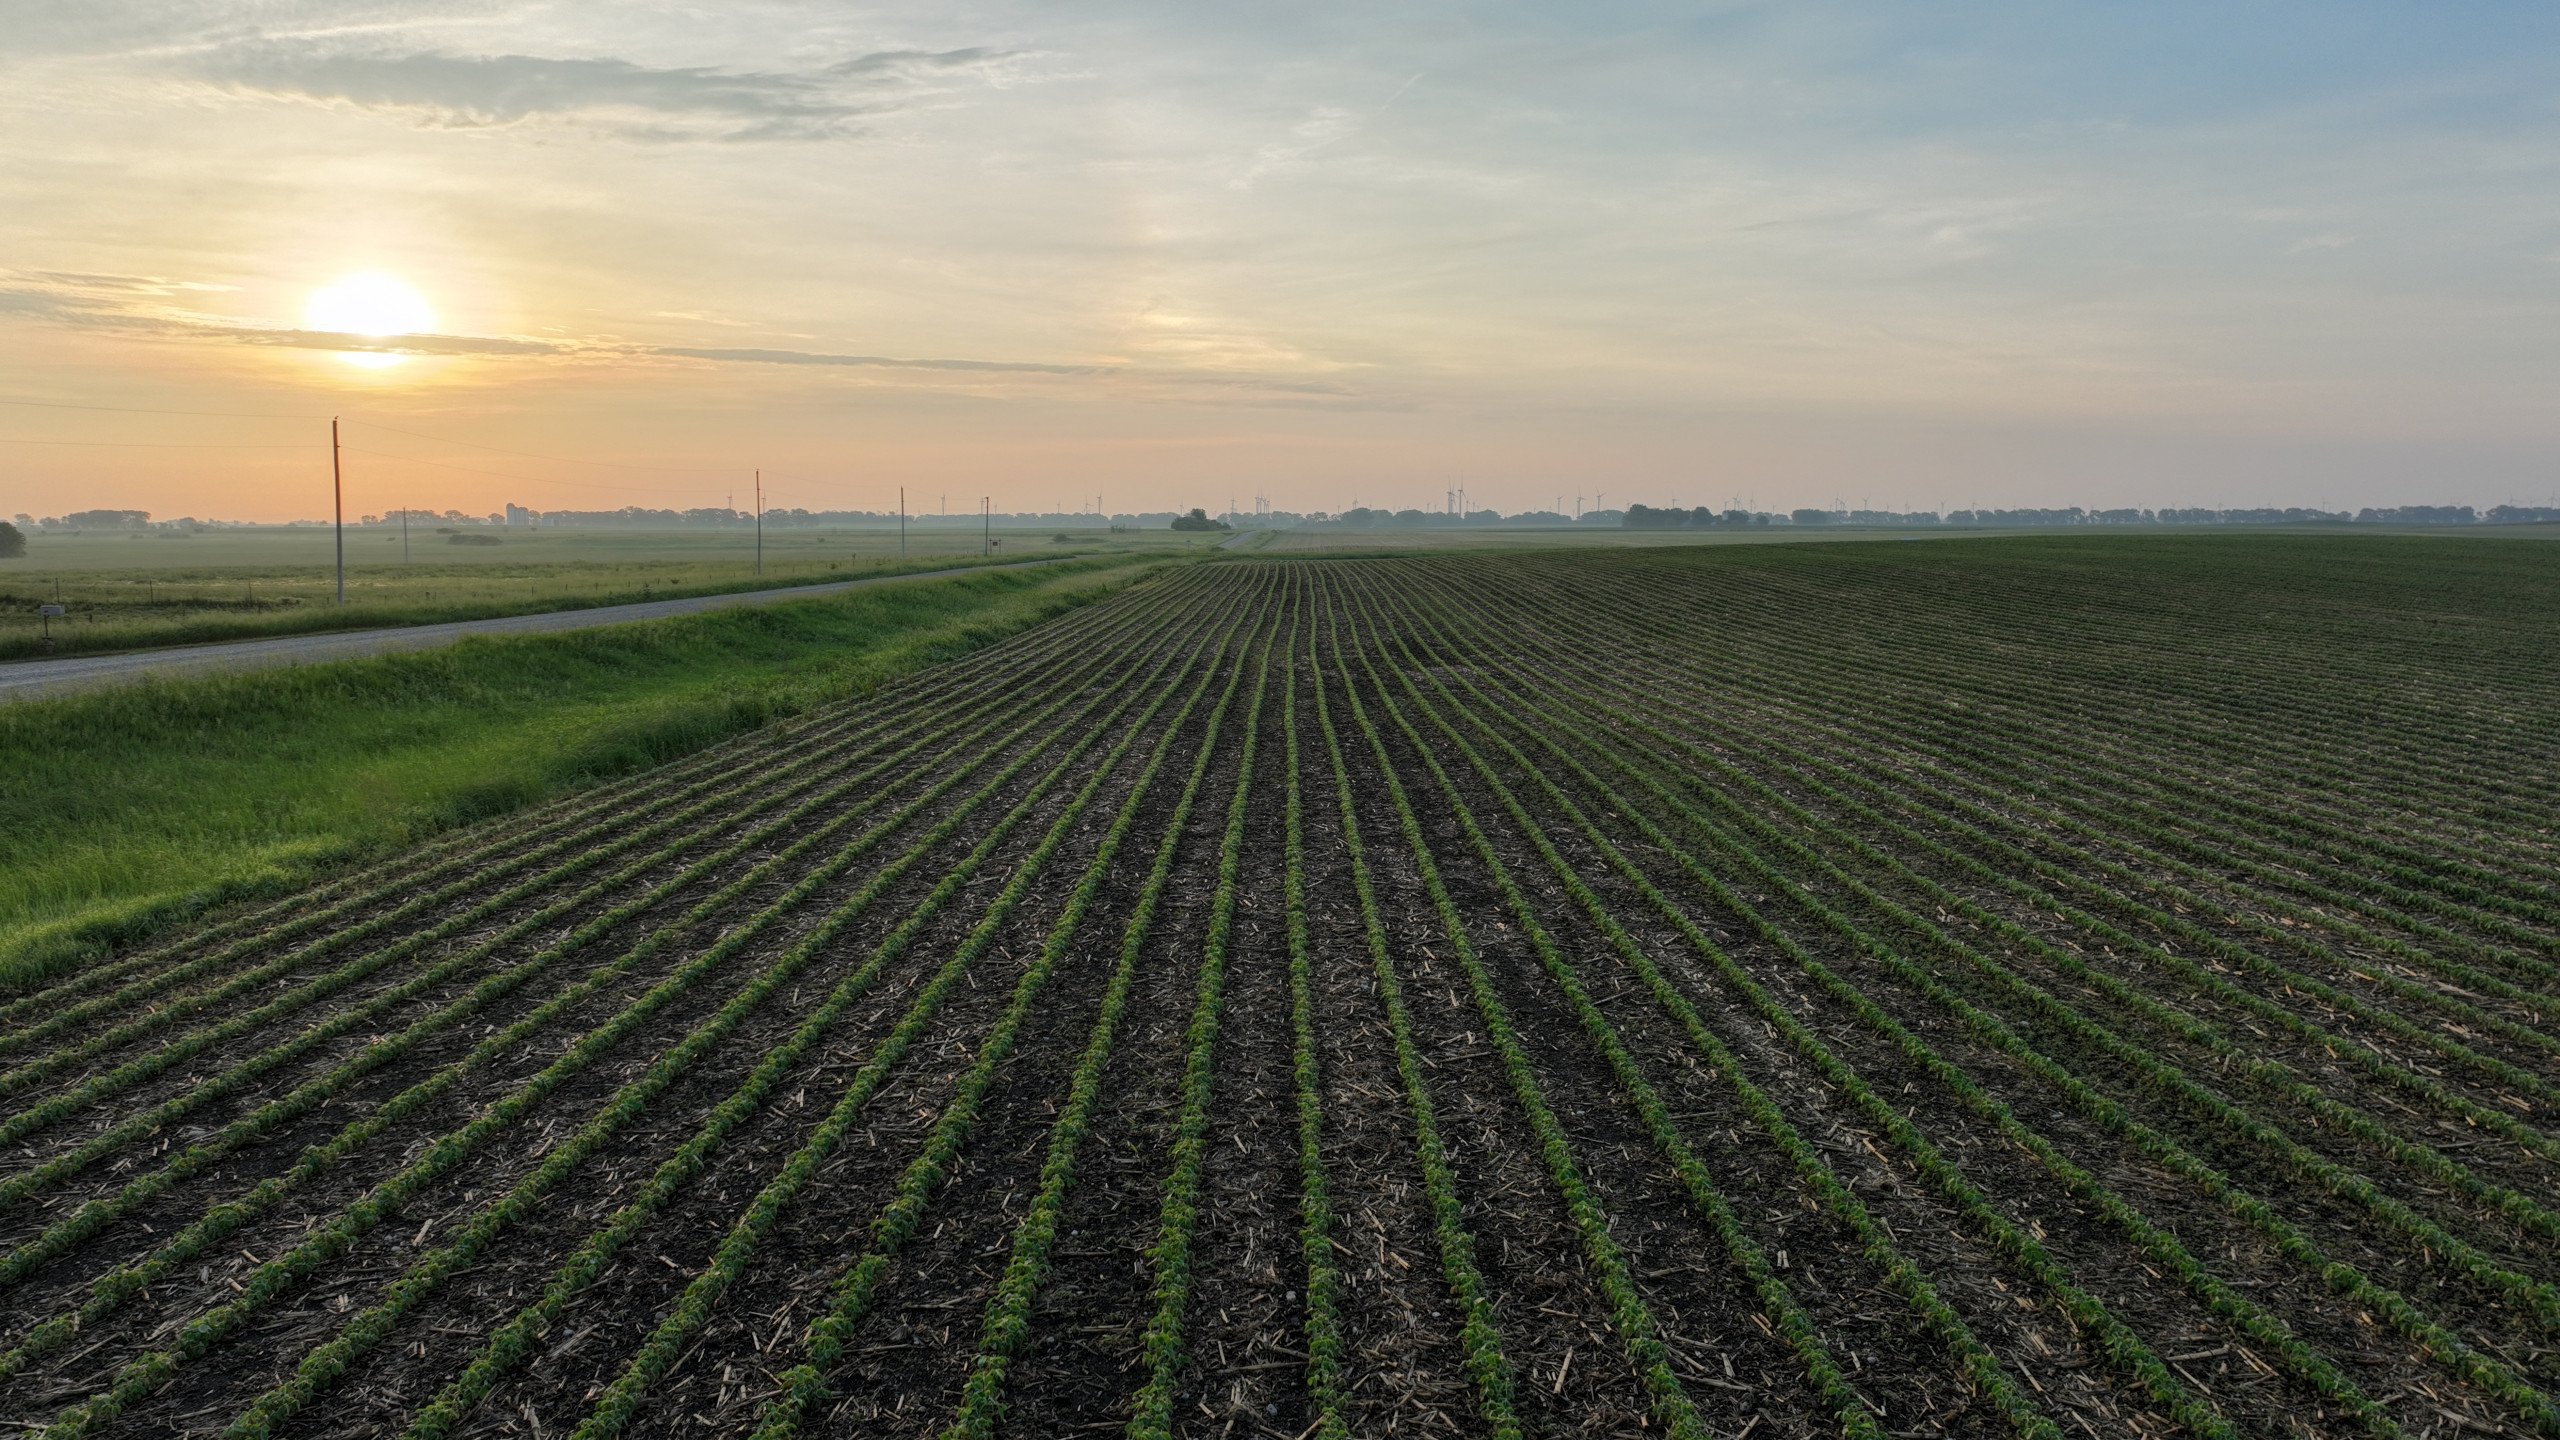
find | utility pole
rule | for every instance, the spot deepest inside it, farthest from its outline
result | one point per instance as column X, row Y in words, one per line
column 986, row 527
column 902, row 524
column 404, row 534
column 759, row 520
column 338, row 498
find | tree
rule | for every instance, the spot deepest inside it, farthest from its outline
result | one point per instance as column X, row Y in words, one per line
column 13, row 541
column 1198, row 519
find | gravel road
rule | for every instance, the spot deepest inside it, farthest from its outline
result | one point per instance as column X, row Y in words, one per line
column 35, row 679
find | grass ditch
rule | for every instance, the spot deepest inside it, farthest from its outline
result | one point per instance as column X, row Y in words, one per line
column 156, row 802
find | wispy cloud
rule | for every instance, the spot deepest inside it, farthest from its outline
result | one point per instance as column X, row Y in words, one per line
column 134, row 305
column 1324, row 127
column 809, row 357
column 458, row 91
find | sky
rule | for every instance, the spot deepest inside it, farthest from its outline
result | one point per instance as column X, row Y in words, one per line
column 1881, row 255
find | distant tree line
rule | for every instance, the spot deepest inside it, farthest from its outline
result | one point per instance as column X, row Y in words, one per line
column 1358, row 517
column 639, row 517
column 1647, row 517
column 83, row 520
column 1363, row 517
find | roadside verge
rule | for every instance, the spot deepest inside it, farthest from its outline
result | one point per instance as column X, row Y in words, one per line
column 131, row 807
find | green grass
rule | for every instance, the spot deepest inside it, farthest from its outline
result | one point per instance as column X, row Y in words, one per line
column 130, row 807
column 133, row 590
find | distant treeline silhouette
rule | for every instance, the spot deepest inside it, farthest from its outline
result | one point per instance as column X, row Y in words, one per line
column 1647, row 517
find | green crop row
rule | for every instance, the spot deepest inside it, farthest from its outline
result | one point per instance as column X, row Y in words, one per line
column 1007, row 1325
column 1718, row 760
column 858, row 1287
column 1176, row 1237
column 1822, row 1370
column 1326, row 1350
column 2345, row 1280
column 512, row 1343
column 1980, row 1366
column 2231, row 1057
column 478, row 854
column 1629, row 1314
column 381, row 1052
column 139, row 1377
column 2115, row 1340
column 1848, row 678
column 1479, row 1334
column 2218, row 791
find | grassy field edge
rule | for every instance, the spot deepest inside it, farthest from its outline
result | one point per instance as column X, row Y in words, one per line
column 376, row 613
column 137, row 808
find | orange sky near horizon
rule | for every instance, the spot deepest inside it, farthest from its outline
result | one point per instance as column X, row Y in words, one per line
column 1774, row 257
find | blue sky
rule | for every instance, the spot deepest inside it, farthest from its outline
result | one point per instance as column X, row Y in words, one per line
column 1906, row 255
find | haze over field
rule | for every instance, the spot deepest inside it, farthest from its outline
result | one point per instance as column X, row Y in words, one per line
column 1903, row 257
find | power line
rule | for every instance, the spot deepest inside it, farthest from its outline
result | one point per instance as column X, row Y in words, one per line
column 510, row 475
column 380, row 454
column 530, row 455
column 368, row 424
column 162, row 445
column 141, row 410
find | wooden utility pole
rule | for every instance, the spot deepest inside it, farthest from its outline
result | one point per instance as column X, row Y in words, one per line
column 404, row 534
column 759, row 521
column 338, row 499
column 902, row 524
column 986, row 527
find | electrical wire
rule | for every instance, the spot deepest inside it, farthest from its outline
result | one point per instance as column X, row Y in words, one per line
column 370, row 425
column 509, row 475
column 164, row 445
column 559, row 459
column 138, row 410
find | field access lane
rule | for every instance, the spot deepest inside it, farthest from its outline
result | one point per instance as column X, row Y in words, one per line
column 40, row 679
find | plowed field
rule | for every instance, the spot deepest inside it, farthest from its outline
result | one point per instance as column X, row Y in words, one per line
column 2045, row 987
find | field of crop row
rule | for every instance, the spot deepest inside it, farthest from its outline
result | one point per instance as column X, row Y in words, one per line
column 2047, row 987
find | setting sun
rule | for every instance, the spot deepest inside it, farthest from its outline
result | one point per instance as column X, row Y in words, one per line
column 372, row 305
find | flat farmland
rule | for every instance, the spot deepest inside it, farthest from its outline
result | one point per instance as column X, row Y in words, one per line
column 2046, row 987
column 134, row 589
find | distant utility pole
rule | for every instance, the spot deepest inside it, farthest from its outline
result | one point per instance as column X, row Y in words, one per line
column 759, row 521
column 404, row 534
column 986, row 527
column 902, row 524
column 338, row 497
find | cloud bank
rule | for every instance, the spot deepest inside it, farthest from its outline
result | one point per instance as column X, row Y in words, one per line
column 446, row 90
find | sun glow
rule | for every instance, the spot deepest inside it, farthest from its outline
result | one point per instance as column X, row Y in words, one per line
column 373, row 305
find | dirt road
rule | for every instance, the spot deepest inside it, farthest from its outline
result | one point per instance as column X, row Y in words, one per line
column 35, row 679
